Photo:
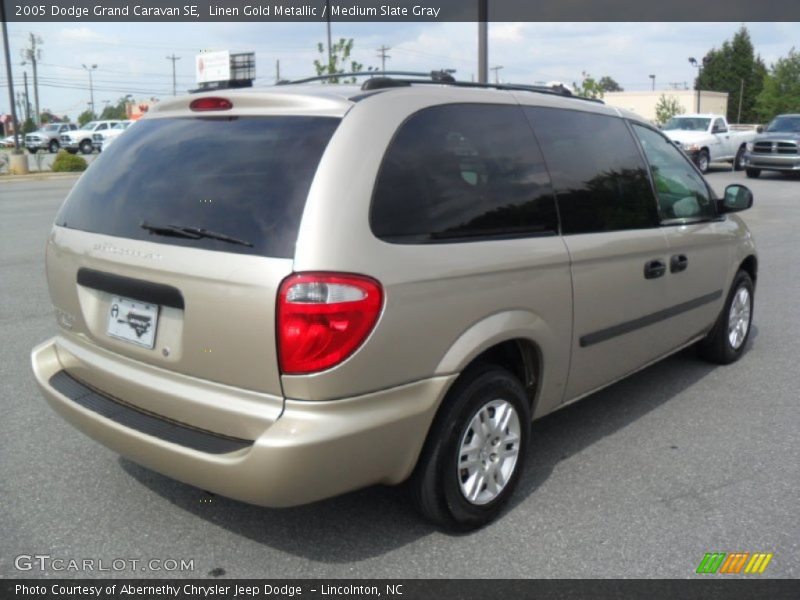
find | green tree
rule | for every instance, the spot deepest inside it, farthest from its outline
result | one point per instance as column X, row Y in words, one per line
column 608, row 84
column 115, row 111
column 589, row 87
column 781, row 93
column 666, row 108
column 337, row 63
column 86, row 116
column 736, row 69
column 29, row 126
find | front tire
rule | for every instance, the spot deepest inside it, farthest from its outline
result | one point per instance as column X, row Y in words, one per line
column 738, row 162
column 86, row 147
column 753, row 173
column 54, row 146
column 726, row 342
column 703, row 161
column 475, row 451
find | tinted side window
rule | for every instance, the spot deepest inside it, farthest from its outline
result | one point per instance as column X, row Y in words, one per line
column 682, row 194
column 463, row 171
column 599, row 176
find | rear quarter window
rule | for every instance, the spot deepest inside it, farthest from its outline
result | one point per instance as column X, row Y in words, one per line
column 463, row 172
column 245, row 178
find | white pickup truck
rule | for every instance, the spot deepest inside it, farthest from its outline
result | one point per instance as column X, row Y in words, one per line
column 708, row 138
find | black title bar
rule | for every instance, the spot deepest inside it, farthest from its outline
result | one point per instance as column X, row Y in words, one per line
column 400, row 10
column 708, row 588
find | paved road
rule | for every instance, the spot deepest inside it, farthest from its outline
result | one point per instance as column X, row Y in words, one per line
column 639, row 480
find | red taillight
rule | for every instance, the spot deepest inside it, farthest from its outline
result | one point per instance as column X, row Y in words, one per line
column 210, row 103
column 323, row 318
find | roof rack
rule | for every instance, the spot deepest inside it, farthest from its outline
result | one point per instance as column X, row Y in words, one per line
column 388, row 79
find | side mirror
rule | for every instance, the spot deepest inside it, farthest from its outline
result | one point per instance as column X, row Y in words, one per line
column 737, row 197
column 759, row 129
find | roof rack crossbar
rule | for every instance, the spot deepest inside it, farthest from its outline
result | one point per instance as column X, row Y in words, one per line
column 431, row 75
column 443, row 77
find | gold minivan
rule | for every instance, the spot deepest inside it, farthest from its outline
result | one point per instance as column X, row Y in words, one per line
column 283, row 294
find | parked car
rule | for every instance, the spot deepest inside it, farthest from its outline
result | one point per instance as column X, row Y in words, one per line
column 776, row 149
column 81, row 139
column 708, row 138
column 8, row 141
column 103, row 138
column 47, row 138
column 304, row 290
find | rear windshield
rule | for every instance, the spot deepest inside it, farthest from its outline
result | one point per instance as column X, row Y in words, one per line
column 244, row 178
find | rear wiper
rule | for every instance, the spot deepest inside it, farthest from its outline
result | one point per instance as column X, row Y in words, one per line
column 194, row 233
column 170, row 230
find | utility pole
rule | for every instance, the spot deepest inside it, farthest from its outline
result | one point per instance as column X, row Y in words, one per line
column 173, row 58
column 277, row 72
column 328, row 20
column 33, row 55
column 91, row 87
column 382, row 53
column 741, row 94
column 9, row 78
column 483, row 41
column 496, row 70
column 27, row 98
column 653, row 77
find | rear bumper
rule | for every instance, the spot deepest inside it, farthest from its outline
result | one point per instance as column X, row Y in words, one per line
column 772, row 162
column 312, row 451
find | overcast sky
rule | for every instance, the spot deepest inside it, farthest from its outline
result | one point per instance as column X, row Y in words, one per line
column 131, row 57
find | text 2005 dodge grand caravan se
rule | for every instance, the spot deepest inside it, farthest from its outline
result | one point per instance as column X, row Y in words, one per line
column 280, row 295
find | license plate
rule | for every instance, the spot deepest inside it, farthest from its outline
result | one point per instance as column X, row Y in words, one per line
column 133, row 321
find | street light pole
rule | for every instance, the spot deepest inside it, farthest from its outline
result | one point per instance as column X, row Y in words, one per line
column 91, row 86
column 699, row 67
column 653, row 77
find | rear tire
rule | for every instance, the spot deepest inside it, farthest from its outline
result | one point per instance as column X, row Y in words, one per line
column 475, row 450
column 753, row 173
column 726, row 342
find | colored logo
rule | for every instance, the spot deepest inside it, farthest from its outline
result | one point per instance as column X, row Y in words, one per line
column 734, row 563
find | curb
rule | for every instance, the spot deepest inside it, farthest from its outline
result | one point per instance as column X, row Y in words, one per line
column 35, row 176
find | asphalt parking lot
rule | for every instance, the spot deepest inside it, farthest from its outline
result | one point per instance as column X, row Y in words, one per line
column 638, row 480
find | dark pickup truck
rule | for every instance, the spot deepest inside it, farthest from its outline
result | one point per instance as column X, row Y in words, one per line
column 776, row 149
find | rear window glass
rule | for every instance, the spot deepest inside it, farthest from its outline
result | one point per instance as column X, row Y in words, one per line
column 243, row 178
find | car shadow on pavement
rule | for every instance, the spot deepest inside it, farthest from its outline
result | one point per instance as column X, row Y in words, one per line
column 371, row 522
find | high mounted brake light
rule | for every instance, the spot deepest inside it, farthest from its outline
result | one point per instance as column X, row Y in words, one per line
column 323, row 318
column 210, row 103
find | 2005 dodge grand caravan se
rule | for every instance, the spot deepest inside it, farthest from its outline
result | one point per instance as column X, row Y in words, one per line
column 280, row 295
